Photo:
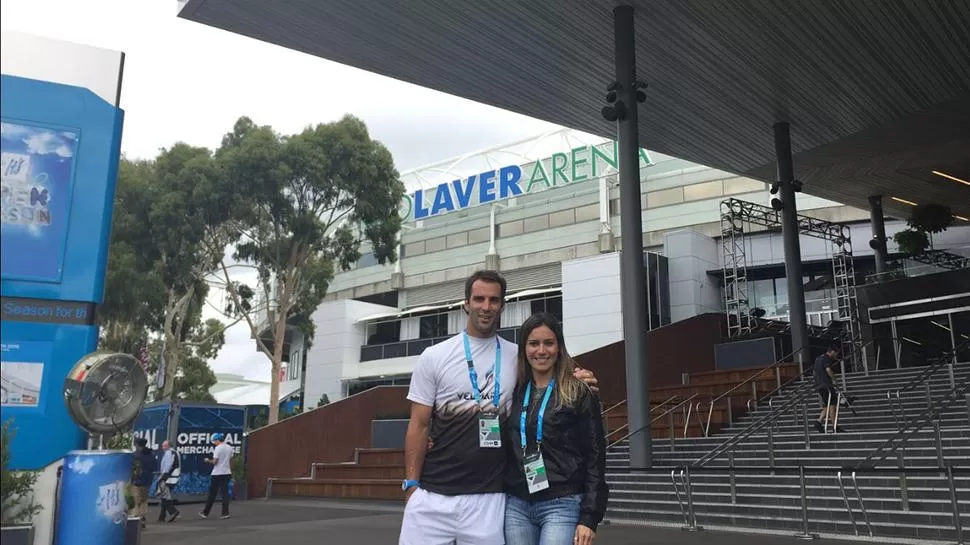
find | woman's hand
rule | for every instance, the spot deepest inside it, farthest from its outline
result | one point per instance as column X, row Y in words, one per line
column 584, row 536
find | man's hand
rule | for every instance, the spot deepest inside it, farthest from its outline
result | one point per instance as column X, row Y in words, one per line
column 587, row 376
column 407, row 494
column 584, row 536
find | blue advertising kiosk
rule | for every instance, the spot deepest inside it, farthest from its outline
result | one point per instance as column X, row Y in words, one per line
column 61, row 139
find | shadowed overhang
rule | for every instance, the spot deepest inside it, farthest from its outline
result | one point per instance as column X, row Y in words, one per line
column 877, row 91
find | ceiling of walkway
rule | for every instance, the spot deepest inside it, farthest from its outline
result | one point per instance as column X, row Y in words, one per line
column 877, row 92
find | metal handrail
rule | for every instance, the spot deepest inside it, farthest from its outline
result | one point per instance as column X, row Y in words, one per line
column 686, row 504
column 945, row 360
column 906, row 432
column 652, row 421
column 712, row 402
column 767, row 420
column 671, row 399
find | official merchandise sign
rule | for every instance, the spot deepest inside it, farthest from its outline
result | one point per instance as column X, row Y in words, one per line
column 579, row 165
column 194, row 446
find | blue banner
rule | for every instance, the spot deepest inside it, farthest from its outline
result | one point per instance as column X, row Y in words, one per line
column 35, row 207
column 54, row 235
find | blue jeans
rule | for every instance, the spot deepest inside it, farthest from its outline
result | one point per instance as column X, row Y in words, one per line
column 551, row 522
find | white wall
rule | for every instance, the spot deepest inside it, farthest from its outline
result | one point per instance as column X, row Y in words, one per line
column 591, row 302
column 335, row 353
column 692, row 291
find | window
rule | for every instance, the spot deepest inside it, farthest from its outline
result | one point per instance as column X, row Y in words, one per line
column 384, row 332
column 433, row 326
column 366, row 260
column 552, row 305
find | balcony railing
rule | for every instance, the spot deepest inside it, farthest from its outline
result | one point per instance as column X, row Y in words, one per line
column 414, row 347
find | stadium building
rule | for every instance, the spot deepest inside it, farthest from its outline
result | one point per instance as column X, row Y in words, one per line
column 545, row 212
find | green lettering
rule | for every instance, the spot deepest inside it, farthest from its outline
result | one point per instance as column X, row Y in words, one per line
column 645, row 157
column 577, row 177
column 608, row 160
column 558, row 170
column 534, row 180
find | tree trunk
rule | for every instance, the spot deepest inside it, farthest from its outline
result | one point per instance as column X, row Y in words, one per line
column 279, row 337
column 175, row 312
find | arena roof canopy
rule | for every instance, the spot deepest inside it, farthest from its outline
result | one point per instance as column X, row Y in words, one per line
column 877, row 92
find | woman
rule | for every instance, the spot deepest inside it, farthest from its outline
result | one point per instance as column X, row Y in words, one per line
column 556, row 476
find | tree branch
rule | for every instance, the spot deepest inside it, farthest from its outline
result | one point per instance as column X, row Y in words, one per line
column 238, row 303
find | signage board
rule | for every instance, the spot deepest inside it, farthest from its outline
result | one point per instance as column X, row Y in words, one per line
column 59, row 149
column 561, row 169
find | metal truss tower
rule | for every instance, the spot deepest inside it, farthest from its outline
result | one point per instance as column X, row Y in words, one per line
column 735, row 272
column 734, row 215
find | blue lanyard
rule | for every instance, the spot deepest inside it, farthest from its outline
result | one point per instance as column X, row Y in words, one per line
column 474, row 375
column 542, row 411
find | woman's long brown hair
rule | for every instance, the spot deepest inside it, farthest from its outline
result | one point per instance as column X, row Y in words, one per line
column 567, row 385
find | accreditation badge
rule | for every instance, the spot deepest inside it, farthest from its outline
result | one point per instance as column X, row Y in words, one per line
column 489, row 432
column 535, row 473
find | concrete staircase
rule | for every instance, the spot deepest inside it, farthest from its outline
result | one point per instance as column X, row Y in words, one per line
column 755, row 496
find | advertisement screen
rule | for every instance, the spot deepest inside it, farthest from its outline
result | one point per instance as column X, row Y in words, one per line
column 35, row 199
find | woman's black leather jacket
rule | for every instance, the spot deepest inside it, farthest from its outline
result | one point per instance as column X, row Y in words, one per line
column 573, row 449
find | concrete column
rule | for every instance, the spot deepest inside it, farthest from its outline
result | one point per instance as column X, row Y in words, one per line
column 793, row 250
column 632, row 273
column 878, row 225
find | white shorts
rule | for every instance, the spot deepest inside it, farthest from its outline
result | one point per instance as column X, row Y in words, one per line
column 468, row 519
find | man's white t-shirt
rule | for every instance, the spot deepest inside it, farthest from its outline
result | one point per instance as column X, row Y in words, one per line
column 222, row 453
column 456, row 463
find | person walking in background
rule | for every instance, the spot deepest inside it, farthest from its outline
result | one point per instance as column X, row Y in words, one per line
column 825, row 386
column 221, row 472
column 169, row 470
column 555, row 476
column 145, row 468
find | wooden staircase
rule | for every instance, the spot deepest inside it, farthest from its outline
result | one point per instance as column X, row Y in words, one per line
column 377, row 473
column 373, row 474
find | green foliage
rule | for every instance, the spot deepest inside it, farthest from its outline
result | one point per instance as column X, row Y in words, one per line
column 134, row 295
column 911, row 241
column 303, row 206
column 930, row 218
column 17, row 505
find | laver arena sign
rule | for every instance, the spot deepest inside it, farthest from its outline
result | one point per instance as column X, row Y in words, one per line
column 561, row 169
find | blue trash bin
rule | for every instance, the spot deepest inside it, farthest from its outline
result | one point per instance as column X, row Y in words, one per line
column 93, row 509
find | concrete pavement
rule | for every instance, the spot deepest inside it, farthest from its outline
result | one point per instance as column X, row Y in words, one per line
column 344, row 522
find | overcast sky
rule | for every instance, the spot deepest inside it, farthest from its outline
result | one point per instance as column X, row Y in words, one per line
column 188, row 82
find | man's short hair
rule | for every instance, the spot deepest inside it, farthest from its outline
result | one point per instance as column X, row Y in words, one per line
column 834, row 347
column 487, row 276
column 141, row 442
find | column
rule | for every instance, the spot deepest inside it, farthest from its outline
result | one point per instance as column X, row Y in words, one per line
column 793, row 250
column 632, row 273
column 878, row 224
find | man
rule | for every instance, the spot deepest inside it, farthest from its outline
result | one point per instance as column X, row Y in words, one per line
column 825, row 386
column 454, row 485
column 170, row 470
column 145, row 467
column 221, row 472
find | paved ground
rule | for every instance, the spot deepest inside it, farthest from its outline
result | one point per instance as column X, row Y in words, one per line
column 333, row 522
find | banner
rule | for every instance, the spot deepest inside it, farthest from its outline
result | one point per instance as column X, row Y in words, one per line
column 37, row 181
